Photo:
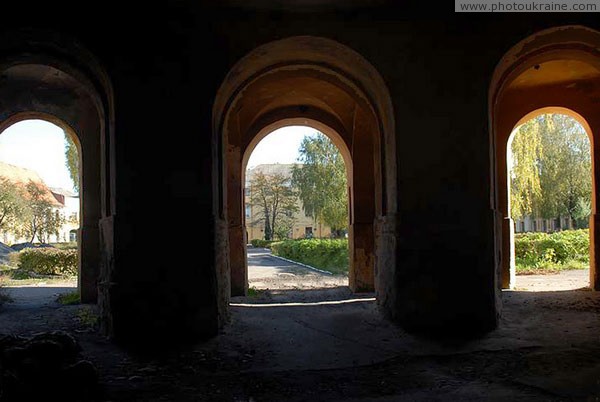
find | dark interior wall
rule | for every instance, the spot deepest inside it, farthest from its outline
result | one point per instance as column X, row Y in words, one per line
column 166, row 63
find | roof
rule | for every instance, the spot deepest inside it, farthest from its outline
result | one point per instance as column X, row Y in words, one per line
column 62, row 191
column 284, row 169
column 22, row 176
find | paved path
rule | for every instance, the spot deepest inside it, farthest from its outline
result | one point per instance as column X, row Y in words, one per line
column 35, row 296
column 268, row 272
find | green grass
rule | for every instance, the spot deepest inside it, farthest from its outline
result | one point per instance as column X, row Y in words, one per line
column 69, row 298
column 253, row 292
column 548, row 268
column 65, row 246
column 18, row 277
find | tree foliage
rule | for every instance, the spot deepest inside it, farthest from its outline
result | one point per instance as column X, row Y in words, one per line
column 72, row 161
column 321, row 182
column 40, row 218
column 274, row 196
column 12, row 204
column 551, row 172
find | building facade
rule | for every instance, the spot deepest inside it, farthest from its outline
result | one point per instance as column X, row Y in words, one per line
column 303, row 226
column 63, row 202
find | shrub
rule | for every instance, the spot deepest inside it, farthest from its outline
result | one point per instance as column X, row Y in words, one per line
column 555, row 250
column 48, row 261
column 261, row 243
column 326, row 254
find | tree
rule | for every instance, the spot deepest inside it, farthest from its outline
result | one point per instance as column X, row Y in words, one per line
column 551, row 172
column 72, row 161
column 278, row 202
column 525, row 187
column 321, row 182
column 41, row 219
column 12, row 204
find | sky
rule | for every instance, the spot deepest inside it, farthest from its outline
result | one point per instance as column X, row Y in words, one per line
column 40, row 146
column 281, row 146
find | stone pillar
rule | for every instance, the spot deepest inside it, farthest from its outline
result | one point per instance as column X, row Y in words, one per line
column 362, row 257
column 106, row 275
column 362, row 216
column 386, row 237
column 594, row 247
column 235, row 227
column 237, row 256
column 508, row 254
column 88, row 243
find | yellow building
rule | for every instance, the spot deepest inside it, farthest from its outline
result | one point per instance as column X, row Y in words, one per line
column 304, row 226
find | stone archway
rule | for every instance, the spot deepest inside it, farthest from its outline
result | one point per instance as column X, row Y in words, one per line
column 321, row 83
column 52, row 78
column 553, row 70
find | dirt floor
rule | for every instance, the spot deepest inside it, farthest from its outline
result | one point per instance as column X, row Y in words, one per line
column 289, row 344
column 565, row 280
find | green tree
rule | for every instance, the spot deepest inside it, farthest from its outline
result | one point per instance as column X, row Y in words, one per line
column 41, row 218
column 566, row 173
column 72, row 161
column 278, row 202
column 551, row 169
column 321, row 182
column 525, row 187
column 12, row 204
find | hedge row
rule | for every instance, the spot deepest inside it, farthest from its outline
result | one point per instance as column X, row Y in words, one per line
column 261, row 243
column 48, row 261
column 539, row 249
column 326, row 254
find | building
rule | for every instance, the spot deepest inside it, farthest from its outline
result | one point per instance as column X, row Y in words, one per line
column 303, row 227
column 63, row 201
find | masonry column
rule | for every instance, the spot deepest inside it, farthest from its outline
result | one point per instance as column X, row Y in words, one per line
column 90, row 193
column 235, row 226
column 361, row 228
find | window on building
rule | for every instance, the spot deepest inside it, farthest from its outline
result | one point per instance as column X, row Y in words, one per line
column 248, row 211
column 308, row 232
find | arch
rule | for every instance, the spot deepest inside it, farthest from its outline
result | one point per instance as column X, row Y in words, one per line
column 557, row 69
column 323, row 83
column 52, row 77
column 68, row 130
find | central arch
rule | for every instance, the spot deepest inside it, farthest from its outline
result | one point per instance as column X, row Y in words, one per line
column 325, row 85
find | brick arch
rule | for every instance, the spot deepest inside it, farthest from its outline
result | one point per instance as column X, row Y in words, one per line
column 320, row 81
column 557, row 69
column 53, row 78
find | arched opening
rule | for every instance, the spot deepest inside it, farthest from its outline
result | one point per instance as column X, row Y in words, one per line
column 556, row 70
column 43, row 207
column 296, row 182
column 549, row 199
column 323, row 84
column 57, row 80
